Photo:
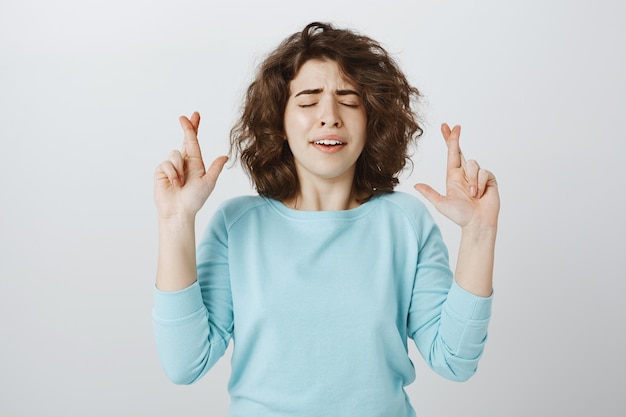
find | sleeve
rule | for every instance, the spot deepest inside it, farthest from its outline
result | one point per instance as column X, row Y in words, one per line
column 447, row 323
column 193, row 326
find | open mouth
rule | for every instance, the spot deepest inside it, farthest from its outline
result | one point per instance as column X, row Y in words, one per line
column 328, row 142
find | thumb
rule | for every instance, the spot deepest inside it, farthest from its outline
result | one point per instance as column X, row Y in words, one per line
column 215, row 169
column 429, row 193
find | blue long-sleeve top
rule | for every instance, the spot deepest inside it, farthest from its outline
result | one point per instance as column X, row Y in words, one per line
column 319, row 305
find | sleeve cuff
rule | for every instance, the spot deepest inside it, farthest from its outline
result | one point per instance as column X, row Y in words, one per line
column 173, row 305
column 468, row 305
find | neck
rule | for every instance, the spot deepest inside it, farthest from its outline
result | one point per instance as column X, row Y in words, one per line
column 324, row 195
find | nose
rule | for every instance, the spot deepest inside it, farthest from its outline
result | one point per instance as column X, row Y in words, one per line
column 329, row 116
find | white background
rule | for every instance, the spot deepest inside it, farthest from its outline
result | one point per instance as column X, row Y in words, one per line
column 90, row 93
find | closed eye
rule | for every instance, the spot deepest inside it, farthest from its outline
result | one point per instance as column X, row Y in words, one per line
column 349, row 104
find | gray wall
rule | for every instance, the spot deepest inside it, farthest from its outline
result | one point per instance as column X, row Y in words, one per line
column 90, row 93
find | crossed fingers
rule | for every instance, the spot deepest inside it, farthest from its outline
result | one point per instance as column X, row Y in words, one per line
column 477, row 178
column 191, row 147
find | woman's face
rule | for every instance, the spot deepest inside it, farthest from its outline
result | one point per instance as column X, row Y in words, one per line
column 325, row 122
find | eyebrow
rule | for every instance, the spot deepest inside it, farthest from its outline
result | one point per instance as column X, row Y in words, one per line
column 314, row 91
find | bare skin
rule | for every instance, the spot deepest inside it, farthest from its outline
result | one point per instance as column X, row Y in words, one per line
column 182, row 185
column 471, row 201
column 324, row 105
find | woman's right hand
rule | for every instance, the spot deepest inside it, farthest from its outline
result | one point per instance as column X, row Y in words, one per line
column 181, row 183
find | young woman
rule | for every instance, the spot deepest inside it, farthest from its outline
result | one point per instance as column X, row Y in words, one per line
column 321, row 278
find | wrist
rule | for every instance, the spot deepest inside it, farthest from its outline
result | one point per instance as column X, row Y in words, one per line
column 479, row 232
column 177, row 222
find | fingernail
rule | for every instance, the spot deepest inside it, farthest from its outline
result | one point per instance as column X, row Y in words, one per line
column 472, row 191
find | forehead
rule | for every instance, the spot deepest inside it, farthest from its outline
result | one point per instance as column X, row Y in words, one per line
column 317, row 73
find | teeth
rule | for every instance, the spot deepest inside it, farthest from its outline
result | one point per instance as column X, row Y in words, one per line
column 328, row 142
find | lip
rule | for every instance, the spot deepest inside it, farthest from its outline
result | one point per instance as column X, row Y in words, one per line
column 329, row 137
column 329, row 149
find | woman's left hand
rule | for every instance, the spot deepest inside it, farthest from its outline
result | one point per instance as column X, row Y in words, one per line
column 472, row 199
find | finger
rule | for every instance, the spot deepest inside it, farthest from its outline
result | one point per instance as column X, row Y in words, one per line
column 166, row 170
column 429, row 193
column 195, row 121
column 191, row 147
column 215, row 169
column 178, row 162
column 485, row 178
column 472, row 169
column 452, row 142
column 445, row 130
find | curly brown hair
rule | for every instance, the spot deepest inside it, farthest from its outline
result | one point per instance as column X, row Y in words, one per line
column 392, row 124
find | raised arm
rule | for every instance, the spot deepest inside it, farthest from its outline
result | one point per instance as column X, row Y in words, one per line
column 181, row 186
column 471, row 201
